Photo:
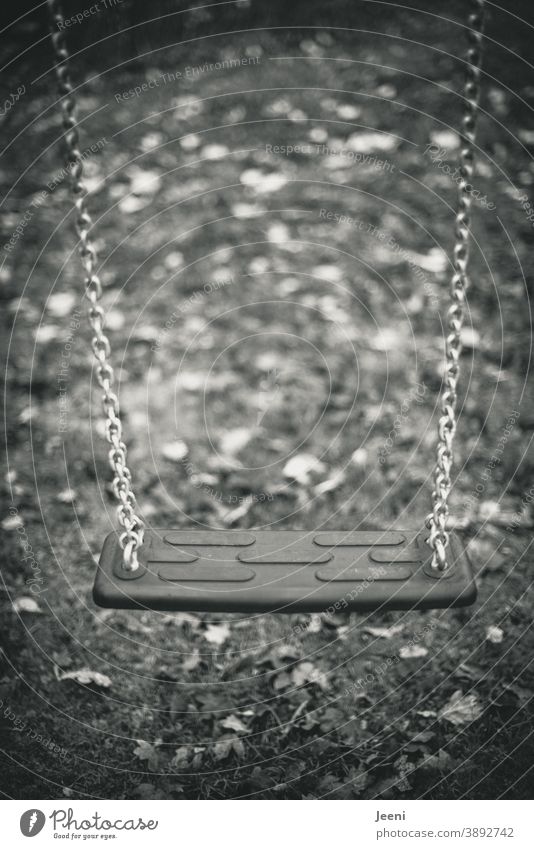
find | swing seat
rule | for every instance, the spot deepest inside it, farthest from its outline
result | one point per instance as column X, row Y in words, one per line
column 233, row 571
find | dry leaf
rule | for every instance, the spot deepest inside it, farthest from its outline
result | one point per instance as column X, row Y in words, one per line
column 46, row 333
column 87, row 676
column 446, row 138
column 66, row 496
column 368, row 142
column 301, row 466
column 60, row 304
column 192, row 661
column 224, row 748
column 175, row 451
column 146, row 752
column 494, row 634
column 231, row 517
column 181, row 757
column 11, row 523
column 261, row 182
column 148, row 791
column 217, row 634
column 330, row 485
column 307, row 673
column 407, row 652
column 234, row 440
column 214, row 151
column 233, row 723
column 332, row 273
column 359, row 457
column 387, row 633
column 25, row 604
column 461, row 710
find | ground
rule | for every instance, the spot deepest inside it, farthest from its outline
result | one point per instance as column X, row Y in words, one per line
column 278, row 365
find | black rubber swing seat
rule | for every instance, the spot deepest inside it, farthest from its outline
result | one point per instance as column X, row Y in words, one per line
column 283, row 572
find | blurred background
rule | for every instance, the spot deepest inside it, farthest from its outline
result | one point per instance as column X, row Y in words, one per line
column 273, row 188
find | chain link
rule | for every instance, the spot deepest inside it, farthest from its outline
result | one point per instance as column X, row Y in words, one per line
column 437, row 520
column 132, row 537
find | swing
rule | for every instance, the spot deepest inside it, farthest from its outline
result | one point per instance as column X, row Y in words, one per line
column 250, row 571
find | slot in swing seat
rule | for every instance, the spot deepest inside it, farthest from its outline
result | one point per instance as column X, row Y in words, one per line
column 232, row 571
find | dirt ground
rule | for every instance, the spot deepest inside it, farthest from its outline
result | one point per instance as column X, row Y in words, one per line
column 276, row 323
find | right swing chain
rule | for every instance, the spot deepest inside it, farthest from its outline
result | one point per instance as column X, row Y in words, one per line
column 437, row 520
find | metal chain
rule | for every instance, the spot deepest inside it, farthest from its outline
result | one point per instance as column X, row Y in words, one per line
column 132, row 537
column 437, row 520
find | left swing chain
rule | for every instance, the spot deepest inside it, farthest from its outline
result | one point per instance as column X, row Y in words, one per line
column 132, row 537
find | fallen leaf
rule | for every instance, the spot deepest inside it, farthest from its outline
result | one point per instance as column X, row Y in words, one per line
column 131, row 204
column 190, row 142
column 192, row 661
column 461, row 710
column 420, row 739
column 408, row 652
column 147, row 752
column 46, row 333
column 173, row 260
column 367, row 142
column 11, row 523
column 446, row 138
column 233, row 723
column 25, row 604
column 60, row 304
column 233, row 516
column 359, row 457
column 246, row 210
column 87, row 676
column 214, row 151
column 440, row 761
column 333, row 273
column 330, row 485
column 348, row 112
column 66, row 496
column 470, row 338
column 387, row 633
column 301, row 466
column 181, row 757
column 234, row 440
column 278, row 233
column 175, row 451
column 261, row 182
column 144, row 182
column 494, row 634
column 489, row 510
column 115, row 320
column 282, row 681
column 435, row 261
column 315, row 624
column 224, row 748
column 191, row 381
column 148, row 791
column 307, row 673
column 217, row 634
